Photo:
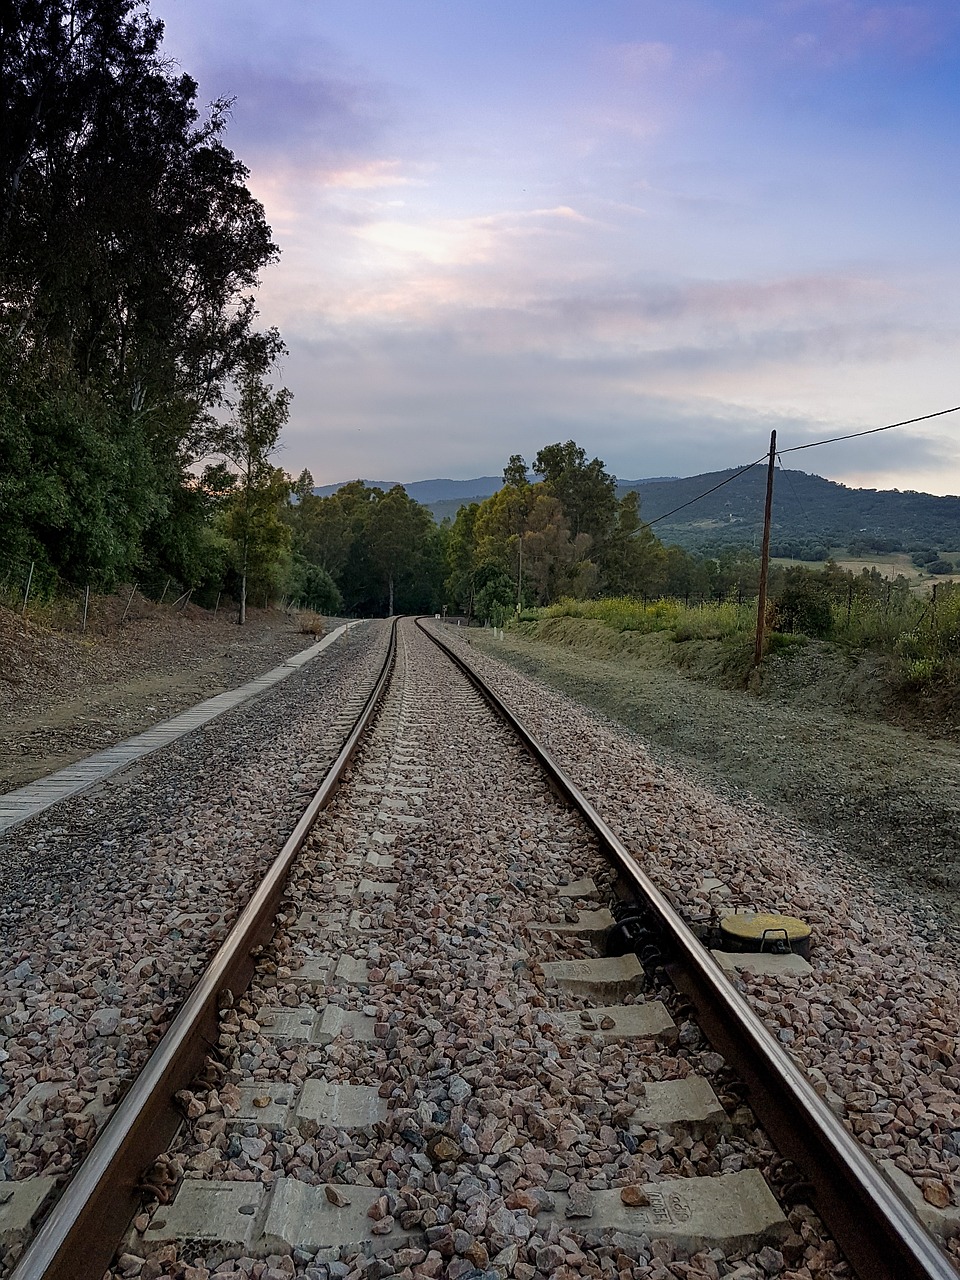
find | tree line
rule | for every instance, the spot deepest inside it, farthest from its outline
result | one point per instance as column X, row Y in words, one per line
column 563, row 531
column 139, row 411
column 555, row 530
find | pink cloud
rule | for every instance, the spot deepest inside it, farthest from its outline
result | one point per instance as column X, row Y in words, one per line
column 369, row 176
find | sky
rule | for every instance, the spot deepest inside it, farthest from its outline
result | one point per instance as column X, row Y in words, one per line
column 661, row 228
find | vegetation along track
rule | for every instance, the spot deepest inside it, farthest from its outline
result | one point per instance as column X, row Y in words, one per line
column 407, row 1073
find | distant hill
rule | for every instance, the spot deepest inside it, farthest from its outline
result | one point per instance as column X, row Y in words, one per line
column 806, row 509
column 431, row 491
column 810, row 513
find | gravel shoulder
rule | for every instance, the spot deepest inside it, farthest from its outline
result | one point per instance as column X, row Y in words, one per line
column 64, row 696
column 886, row 796
column 111, row 906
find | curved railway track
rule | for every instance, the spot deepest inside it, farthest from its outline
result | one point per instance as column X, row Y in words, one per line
column 371, row 999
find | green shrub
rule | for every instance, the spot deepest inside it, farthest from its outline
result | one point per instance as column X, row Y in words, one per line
column 313, row 588
column 779, row 642
column 803, row 608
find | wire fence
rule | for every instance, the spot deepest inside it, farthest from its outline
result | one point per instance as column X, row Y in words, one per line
column 36, row 592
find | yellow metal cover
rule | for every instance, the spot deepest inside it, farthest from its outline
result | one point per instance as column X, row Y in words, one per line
column 750, row 926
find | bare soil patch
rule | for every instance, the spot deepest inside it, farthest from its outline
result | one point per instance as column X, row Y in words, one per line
column 886, row 794
column 64, row 695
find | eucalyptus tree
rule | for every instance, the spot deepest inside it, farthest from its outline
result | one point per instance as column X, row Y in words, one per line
column 324, row 527
column 461, row 559
column 635, row 561
column 586, row 490
column 515, row 472
column 397, row 533
column 130, row 247
column 247, row 441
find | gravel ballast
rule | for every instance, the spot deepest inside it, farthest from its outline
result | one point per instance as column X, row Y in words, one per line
column 412, row 926
column 876, row 1024
column 113, row 902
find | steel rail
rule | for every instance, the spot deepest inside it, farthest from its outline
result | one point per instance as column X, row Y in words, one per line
column 872, row 1223
column 80, row 1236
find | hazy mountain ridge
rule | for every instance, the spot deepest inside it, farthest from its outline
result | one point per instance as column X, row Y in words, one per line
column 428, row 491
column 807, row 509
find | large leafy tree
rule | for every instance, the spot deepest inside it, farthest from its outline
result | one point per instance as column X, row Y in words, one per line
column 382, row 549
column 324, row 527
column 397, row 537
column 568, row 535
column 635, row 561
column 461, row 559
column 554, row 563
column 129, row 250
column 499, row 525
column 584, row 488
column 259, row 536
column 515, row 472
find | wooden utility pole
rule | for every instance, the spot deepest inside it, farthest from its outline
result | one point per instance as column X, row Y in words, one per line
column 765, row 555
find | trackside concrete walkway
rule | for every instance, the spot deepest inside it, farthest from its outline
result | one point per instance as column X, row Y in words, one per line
column 26, row 802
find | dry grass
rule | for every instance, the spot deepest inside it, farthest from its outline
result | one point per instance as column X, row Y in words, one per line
column 309, row 623
column 890, row 565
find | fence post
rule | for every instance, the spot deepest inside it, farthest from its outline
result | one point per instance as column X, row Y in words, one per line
column 129, row 603
column 217, row 605
column 849, row 603
column 26, row 594
column 86, row 606
column 163, row 593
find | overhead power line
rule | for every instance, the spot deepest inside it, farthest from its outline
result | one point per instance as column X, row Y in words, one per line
column 793, row 487
column 742, row 472
column 814, row 444
column 925, row 417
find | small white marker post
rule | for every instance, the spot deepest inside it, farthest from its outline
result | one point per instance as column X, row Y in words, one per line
column 26, row 594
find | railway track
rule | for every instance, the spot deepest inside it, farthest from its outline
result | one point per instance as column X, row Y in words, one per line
column 434, row 1060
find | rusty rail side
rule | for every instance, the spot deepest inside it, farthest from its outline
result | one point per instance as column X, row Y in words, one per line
column 872, row 1223
column 79, row 1237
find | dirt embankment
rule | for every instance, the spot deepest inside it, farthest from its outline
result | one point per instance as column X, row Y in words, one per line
column 808, row 746
column 64, row 695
